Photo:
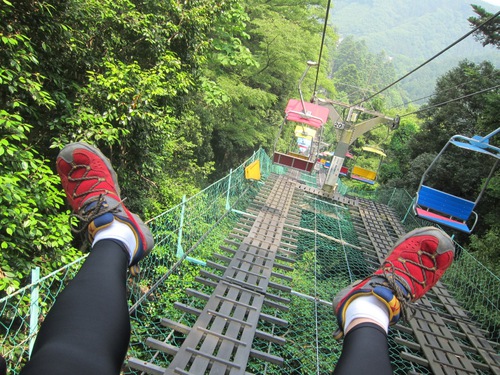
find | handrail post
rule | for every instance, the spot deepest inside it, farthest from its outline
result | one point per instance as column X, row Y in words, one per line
column 228, row 204
column 408, row 210
column 34, row 307
column 390, row 198
column 180, row 251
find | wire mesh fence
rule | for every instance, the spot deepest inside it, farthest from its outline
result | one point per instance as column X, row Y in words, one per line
column 328, row 258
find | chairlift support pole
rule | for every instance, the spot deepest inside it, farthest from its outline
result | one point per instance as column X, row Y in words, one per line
column 309, row 65
column 349, row 132
column 491, row 135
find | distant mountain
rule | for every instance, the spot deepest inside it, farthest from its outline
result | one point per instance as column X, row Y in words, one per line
column 411, row 32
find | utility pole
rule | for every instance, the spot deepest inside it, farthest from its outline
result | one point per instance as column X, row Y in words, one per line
column 349, row 132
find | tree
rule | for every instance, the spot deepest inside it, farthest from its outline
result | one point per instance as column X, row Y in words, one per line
column 489, row 32
column 165, row 89
column 394, row 170
column 468, row 116
column 280, row 37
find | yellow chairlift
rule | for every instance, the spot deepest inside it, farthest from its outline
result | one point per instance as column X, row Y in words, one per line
column 366, row 175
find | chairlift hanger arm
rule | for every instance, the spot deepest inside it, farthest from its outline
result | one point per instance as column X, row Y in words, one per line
column 334, row 115
column 325, row 102
column 355, row 131
column 366, row 126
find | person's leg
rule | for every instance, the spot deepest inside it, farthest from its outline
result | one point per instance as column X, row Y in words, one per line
column 370, row 340
column 366, row 308
column 87, row 330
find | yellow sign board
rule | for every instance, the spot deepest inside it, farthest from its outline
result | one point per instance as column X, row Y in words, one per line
column 304, row 132
column 252, row 172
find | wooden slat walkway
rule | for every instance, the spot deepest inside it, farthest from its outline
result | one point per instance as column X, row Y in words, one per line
column 222, row 339
column 444, row 339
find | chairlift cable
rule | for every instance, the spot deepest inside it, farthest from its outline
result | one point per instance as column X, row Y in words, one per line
column 361, row 89
column 321, row 46
column 451, row 100
column 434, row 94
column 433, row 57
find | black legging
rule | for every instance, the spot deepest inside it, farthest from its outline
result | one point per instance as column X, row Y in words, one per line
column 87, row 331
column 365, row 352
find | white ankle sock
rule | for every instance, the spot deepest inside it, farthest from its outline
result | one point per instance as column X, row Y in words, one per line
column 367, row 307
column 121, row 232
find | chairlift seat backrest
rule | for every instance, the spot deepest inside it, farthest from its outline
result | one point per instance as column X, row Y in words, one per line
column 445, row 203
column 295, row 161
column 313, row 114
column 363, row 173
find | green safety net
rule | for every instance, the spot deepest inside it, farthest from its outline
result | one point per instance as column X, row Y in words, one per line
column 328, row 258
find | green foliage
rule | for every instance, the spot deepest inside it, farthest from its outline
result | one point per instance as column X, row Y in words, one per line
column 34, row 230
column 358, row 73
column 30, row 199
column 166, row 90
column 485, row 248
column 254, row 89
column 394, row 170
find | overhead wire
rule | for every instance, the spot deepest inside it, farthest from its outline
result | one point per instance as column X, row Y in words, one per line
column 432, row 58
column 361, row 89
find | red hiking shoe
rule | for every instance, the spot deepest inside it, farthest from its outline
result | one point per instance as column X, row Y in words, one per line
column 414, row 266
column 91, row 186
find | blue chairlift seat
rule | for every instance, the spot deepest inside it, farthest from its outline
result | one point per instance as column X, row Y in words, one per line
column 445, row 209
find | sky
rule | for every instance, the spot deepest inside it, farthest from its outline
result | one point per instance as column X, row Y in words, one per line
column 494, row 2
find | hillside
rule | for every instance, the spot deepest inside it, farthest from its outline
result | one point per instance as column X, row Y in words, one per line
column 411, row 32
